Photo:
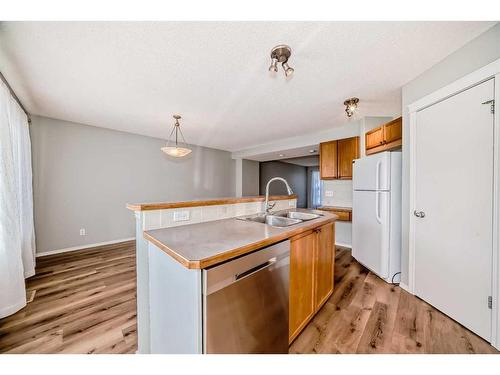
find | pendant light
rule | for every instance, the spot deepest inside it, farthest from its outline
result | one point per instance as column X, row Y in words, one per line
column 180, row 149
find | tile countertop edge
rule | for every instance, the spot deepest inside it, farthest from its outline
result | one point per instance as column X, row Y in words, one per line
column 205, row 202
column 242, row 250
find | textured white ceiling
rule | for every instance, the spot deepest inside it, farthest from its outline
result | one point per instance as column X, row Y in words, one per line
column 132, row 76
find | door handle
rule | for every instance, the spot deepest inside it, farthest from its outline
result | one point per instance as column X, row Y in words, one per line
column 377, row 175
column 419, row 214
column 255, row 269
column 377, row 207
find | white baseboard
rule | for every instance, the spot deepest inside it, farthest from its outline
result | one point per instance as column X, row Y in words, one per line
column 405, row 287
column 343, row 245
column 74, row 248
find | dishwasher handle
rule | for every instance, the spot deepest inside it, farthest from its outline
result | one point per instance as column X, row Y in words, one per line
column 255, row 269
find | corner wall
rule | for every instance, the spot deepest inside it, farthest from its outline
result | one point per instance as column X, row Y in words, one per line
column 83, row 176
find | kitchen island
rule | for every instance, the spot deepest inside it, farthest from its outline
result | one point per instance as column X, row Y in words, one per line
column 181, row 257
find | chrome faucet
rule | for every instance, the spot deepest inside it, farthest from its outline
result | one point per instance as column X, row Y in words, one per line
column 288, row 188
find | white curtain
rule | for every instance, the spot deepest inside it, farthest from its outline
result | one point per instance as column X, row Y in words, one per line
column 17, row 233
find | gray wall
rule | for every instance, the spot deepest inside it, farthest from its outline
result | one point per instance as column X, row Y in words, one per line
column 84, row 175
column 296, row 176
column 474, row 55
column 250, row 177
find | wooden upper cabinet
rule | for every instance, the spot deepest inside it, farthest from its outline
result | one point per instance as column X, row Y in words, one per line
column 328, row 160
column 347, row 151
column 335, row 158
column 393, row 130
column 384, row 138
column 325, row 258
column 374, row 138
column 301, row 299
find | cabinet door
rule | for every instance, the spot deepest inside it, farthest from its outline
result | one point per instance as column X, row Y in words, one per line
column 393, row 130
column 325, row 258
column 347, row 151
column 374, row 138
column 328, row 160
column 302, row 304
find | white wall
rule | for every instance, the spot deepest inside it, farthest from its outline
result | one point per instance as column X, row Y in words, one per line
column 83, row 176
column 474, row 55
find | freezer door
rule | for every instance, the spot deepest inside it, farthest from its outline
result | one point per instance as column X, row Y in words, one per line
column 372, row 172
column 370, row 230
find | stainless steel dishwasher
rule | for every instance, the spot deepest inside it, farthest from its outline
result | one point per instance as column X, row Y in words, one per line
column 245, row 303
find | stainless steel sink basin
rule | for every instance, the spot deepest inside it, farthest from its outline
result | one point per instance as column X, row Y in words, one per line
column 281, row 219
column 273, row 220
column 304, row 216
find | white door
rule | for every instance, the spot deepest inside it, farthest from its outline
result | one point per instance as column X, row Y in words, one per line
column 454, row 189
column 372, row 172
column 370, row 230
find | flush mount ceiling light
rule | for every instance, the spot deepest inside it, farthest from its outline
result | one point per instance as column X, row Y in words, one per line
column 350, row 106
column 180, row 149
column 281, row 54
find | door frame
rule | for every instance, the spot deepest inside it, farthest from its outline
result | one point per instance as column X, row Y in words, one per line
column 479, row 76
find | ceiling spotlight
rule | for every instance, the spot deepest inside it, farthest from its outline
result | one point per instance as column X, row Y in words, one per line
column 288, row 71
column 350, row 106
column 281, row 155
column 312, row 151
column 274, row 65
column 176, row 151
column 281, row 54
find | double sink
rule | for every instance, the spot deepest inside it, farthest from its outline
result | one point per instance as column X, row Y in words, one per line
column 281, row 219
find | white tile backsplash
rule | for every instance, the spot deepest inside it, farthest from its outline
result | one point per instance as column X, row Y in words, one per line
column 342, row 193
column 156, row 219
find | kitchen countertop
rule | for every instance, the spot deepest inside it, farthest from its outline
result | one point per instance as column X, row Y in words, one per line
column 335, row 208
column 201, row 245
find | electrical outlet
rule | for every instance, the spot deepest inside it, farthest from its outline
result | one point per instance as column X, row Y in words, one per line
column 328, row 193
column 83, row 232
column 181, row 215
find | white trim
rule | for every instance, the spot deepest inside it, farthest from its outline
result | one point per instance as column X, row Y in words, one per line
column 405, row 287
column 495, row 272
column 343, row 245
column 411, row 226
column 81, row 247
column 464, row 83
column 485, row 73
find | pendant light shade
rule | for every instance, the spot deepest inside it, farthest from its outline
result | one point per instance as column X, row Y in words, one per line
column 180, row 149
column 176, row 152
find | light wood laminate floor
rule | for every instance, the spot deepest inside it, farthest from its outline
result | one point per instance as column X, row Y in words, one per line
column 85, row 302
column 367, row 315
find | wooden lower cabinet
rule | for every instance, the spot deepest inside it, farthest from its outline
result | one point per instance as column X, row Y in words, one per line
column 312, row 259
column 325, row 257
column 301, row 288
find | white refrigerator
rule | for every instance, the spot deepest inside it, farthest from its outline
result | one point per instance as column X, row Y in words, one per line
column 376, row 214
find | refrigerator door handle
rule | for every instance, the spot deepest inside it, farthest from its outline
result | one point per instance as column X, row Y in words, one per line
column 377, row 207
column 377, row 175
